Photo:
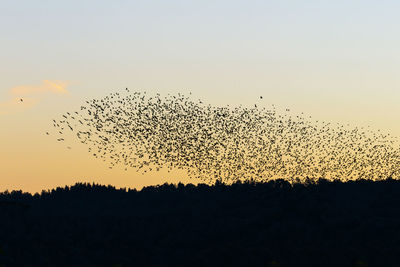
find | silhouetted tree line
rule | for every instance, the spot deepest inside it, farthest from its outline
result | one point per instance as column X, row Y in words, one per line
column 323, row 223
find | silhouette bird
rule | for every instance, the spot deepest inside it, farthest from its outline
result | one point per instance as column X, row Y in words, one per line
column 149, row 133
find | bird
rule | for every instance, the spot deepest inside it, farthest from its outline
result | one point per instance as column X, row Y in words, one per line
column 151, row 132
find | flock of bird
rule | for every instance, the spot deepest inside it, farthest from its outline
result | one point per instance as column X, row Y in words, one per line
column 210, row 142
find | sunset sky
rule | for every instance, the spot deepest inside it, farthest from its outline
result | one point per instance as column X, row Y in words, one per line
column 337, row 61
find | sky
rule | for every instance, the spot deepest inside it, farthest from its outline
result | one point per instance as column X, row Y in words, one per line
column 336, row 61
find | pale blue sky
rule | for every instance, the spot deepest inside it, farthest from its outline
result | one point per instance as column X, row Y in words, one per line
column 241, row 46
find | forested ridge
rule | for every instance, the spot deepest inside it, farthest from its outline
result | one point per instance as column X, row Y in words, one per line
column 275, row 223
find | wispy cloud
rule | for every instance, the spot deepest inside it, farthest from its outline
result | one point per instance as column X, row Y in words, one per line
column 26, row 96
column 57, row 87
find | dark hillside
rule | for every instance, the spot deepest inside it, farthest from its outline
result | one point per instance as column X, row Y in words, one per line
column 244, row 224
